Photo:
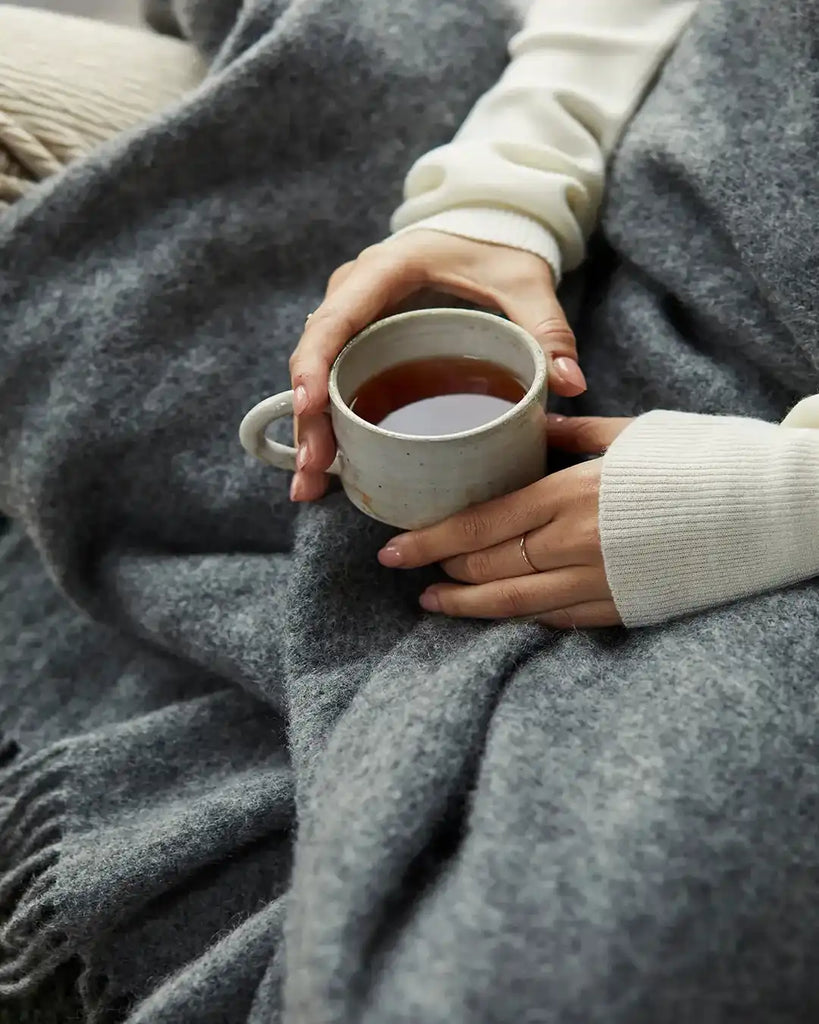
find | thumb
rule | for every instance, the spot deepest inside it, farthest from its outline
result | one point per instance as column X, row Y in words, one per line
column 541, row 314
column 584, row 435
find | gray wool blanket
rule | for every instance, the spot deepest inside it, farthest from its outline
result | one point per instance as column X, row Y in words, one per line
column 245, row 780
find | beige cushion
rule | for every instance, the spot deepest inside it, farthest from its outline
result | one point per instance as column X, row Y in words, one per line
column 67, row 84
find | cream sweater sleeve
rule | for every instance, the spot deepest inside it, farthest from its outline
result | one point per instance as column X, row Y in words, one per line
column 696, row 511
column 527, row 167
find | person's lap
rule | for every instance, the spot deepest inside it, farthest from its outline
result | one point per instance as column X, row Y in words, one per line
column 638, row 810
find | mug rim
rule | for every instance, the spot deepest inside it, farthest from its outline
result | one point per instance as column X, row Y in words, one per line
column 538, row 355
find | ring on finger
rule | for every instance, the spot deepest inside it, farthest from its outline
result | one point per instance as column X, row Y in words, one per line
column 525, row 554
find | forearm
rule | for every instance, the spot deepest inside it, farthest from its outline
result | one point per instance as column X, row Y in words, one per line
column 527, row 168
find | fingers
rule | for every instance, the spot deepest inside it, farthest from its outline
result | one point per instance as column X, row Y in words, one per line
column 537, row 309
column 480, row 526
column 357, row 298
column 316, row 451
column 563, row 542
column 522, row 597
column 308, row 486
column 357, row 294
column 589, row 615
column 585, row 435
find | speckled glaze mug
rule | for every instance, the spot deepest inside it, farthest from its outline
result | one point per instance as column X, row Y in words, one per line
column 410, row 481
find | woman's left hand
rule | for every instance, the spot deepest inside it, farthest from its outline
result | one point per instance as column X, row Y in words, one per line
column 563, row 584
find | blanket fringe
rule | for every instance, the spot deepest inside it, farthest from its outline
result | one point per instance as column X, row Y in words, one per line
column 32, row 817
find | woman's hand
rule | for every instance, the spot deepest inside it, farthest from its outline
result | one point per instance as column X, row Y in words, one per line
column 565, row 585
column 384, row 276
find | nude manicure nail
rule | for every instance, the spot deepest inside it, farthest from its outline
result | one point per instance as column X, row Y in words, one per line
column 390, row 556
column 568, row 371
column 300, row 399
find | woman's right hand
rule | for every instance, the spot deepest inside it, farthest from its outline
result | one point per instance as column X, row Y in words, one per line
column 515, row 282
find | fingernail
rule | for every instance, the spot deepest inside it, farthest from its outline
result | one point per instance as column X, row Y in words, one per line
column 430, row 601
column 296, row 488
column 300, row 399
column 391, row 556
column 555, row 418
column 303, row 455
column 568, row 371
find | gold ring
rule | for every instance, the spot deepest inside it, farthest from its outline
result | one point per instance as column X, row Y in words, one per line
column 526, row 557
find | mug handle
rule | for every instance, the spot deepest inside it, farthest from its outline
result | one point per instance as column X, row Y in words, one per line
column 254, row 439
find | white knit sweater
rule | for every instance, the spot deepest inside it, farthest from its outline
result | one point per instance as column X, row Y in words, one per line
column 694, row 510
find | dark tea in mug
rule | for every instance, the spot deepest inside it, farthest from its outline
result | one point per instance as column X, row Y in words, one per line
column 440, row 395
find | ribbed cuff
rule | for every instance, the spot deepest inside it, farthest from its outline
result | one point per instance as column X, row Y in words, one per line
column 696, row 511
column 499, row 226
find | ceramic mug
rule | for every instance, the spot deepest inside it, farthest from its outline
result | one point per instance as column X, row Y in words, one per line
column 410, row 481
